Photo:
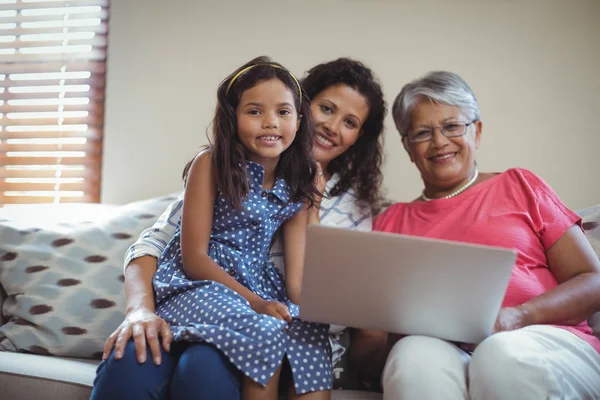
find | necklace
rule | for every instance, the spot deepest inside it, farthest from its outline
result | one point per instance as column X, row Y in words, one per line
column 458, row 191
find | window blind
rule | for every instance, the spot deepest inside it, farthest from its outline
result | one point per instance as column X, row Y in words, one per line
column 52, row 80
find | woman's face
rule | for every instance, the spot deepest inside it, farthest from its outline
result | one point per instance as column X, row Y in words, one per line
column 339, row 113
column 443, row 162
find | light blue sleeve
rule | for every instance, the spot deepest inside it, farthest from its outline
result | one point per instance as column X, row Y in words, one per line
column 153, row 240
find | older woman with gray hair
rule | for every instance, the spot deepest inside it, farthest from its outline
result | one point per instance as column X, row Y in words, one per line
column 542, row 346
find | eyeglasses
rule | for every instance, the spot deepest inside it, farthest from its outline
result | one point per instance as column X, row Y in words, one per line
column 449, row 130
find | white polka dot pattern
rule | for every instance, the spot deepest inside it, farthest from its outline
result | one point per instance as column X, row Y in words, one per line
column 209, row 311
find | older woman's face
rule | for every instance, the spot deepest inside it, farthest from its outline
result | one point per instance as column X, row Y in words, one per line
column 443, row 162
column 339, row 113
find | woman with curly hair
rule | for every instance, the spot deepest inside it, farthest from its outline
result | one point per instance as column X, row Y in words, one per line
column 348, row 109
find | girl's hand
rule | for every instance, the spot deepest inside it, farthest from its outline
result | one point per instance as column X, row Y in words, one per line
column 144, row 326
column 272, row 308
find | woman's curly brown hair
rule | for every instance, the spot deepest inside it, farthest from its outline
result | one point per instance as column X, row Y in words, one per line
column 359, row 167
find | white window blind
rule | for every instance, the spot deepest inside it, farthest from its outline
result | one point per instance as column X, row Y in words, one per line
column 52, row 79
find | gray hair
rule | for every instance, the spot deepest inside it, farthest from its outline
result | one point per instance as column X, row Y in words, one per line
column 440, row 87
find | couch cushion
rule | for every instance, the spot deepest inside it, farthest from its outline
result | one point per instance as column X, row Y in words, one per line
column 63, row 276
column 27, row 376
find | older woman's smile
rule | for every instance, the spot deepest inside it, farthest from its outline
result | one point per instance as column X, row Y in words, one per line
column 443, row 158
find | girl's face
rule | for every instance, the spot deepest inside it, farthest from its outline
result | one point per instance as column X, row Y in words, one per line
column 339, row 113
column 267, row 120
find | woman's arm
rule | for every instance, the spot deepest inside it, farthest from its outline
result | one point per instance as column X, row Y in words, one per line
column 577, row 296
column 294, row 242
column 140, row 265
column 140, row 320
column 313, row 217
column 320, row 183
column 152, row 241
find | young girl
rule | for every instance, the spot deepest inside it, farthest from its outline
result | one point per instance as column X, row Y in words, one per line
column 215, row 282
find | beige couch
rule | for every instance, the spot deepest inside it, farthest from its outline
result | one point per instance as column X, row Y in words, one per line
column 49, row 374
column 73, row 255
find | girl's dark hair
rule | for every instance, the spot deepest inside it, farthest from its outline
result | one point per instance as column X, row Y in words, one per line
column 359, row 167
column 296, row 164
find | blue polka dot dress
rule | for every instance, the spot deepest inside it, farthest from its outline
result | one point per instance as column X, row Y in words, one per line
column 209, row 311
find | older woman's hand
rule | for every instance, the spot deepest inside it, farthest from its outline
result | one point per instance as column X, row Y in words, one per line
column 510, row 319
column 144, row 326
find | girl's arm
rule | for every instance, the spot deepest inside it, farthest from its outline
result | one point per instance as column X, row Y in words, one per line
column 294, row 241
column 196, row 227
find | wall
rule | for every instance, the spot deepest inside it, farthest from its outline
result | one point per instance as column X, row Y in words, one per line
column 533, row 65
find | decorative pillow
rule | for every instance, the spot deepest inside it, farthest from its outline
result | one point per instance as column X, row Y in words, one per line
column 64, row 279
column 591, row 225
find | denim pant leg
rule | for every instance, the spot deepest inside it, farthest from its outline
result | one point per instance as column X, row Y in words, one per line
column 127, row 379
column 204, row 373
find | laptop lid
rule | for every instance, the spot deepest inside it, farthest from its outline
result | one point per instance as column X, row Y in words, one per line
column 403, row 284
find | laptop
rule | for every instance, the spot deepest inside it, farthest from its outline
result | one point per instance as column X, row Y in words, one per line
column 403, row 284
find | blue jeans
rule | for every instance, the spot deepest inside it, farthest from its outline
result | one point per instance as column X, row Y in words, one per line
column 189, row 371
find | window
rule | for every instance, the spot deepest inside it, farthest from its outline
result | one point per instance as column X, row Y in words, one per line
column 52, row 79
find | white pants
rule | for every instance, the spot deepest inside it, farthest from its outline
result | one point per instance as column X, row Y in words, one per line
column 536, row 362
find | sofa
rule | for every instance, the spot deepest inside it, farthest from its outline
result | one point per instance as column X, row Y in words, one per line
column 61, row 295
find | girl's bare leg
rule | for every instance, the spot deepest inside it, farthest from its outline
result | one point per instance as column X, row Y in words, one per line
column 320, row 395
column 254, row 391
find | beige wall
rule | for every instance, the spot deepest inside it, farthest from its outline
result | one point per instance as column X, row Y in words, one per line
column 533, row 64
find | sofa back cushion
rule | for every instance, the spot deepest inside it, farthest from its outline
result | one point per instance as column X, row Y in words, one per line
column 63, row 275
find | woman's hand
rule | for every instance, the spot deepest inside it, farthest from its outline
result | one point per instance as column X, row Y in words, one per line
column 272, row 308
column 144, row 326
column 510, row 319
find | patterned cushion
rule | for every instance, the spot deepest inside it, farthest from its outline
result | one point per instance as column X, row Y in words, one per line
column 64, row 278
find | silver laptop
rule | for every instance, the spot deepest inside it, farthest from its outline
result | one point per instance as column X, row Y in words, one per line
column 403, row 284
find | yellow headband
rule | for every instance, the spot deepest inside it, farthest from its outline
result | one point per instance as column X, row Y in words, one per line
column 272, row 65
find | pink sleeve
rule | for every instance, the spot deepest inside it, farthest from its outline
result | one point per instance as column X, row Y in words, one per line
column 551, row 216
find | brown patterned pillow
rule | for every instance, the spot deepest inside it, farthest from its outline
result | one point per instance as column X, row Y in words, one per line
column 64, row 280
